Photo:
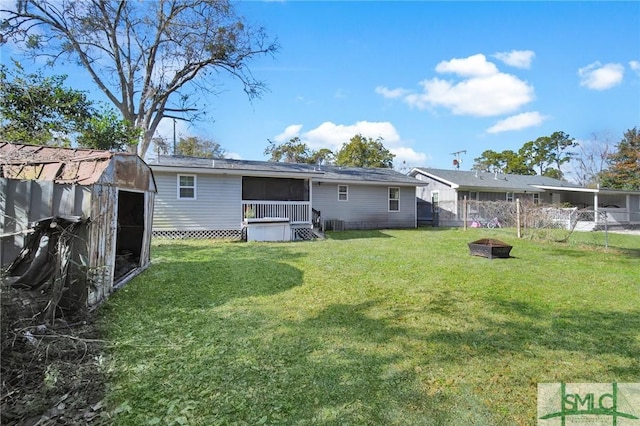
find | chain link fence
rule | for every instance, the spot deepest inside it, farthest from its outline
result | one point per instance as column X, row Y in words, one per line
column 530, row 220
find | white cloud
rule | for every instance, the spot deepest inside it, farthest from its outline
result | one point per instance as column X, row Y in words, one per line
column 601, row 77
column 233, row 155
column 289, row 133
column 635, row 66
column 333, row 136
column 480, row 89
column 473, row 66
column 517, row 122
column 408, row 157
column 516, row 58
column 480, row 96
column 391, row 93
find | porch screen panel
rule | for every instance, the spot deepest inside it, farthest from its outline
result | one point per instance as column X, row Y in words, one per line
column 275, row 189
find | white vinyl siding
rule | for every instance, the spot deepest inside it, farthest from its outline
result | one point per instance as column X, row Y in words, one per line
column 368, row 206
column 218, row 206
column 187, row 187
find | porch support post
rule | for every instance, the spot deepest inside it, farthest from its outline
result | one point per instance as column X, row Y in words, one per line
column 595, row 206
column 310, row 212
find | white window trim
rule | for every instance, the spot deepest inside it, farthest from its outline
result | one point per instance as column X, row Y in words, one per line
column 393, row 199
column 195, row 186
column 346, row 192
column 510, row 196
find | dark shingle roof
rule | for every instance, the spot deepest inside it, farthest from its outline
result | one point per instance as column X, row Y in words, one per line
column 320, row 173
column 485, row 180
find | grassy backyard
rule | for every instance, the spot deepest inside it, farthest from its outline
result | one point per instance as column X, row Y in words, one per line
column 378, row 328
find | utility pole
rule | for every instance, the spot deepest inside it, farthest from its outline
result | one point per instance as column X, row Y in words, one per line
column 457, row 160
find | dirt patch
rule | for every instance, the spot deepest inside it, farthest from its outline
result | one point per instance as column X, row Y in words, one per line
column 52, row 374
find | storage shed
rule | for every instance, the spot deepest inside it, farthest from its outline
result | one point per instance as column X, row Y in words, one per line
column 110, row 194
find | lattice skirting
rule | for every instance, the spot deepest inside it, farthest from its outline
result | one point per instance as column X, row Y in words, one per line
column 298, row 234
column 222, row 234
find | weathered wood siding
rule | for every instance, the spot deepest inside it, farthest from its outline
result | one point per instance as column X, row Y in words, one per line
column 367, row 206
column 218, row 204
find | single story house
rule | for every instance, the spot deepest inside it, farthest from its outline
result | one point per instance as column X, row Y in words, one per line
column 110, row 196
column 217, row 198
column 445, row 190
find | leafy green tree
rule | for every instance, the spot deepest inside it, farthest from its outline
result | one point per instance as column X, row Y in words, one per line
column 547, row 154
column 107, row 131
column 505, row 162
column 196, row 147
column 624, row 164
column 363, row 152
column 322, row 156
column 561, row 149
column 292, row 151
column 39, row 110
column 151, row 59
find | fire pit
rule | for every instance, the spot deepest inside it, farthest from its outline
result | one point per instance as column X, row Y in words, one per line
column 490, row 248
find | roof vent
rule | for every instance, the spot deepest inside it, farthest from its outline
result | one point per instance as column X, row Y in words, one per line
column 495, row 175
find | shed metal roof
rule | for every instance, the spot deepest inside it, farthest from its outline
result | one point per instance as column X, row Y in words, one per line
column 72, row 165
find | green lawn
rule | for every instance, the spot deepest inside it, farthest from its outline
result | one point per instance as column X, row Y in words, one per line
column 377, row 328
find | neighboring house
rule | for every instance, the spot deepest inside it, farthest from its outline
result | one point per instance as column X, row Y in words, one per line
column 214, row 198
column 110, row 194
column 445, row 190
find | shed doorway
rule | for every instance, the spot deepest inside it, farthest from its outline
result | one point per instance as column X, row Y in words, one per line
column 130, row 232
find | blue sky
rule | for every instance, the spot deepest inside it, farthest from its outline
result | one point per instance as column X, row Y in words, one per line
column 433, row 78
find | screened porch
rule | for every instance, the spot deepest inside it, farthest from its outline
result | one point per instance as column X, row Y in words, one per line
column 265, row 197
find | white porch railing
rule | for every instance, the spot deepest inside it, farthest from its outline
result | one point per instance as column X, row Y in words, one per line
column 296, row 211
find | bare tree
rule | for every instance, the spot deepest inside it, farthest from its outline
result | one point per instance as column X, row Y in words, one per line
column 591, row 159
column 152, row 59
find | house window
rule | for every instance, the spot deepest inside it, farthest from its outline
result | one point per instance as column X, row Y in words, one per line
column 435, row 200
column 343, row 192
column 473, row 195
column 536, row 198
column 186, row 187
column 510, row 196
column 394, row 199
